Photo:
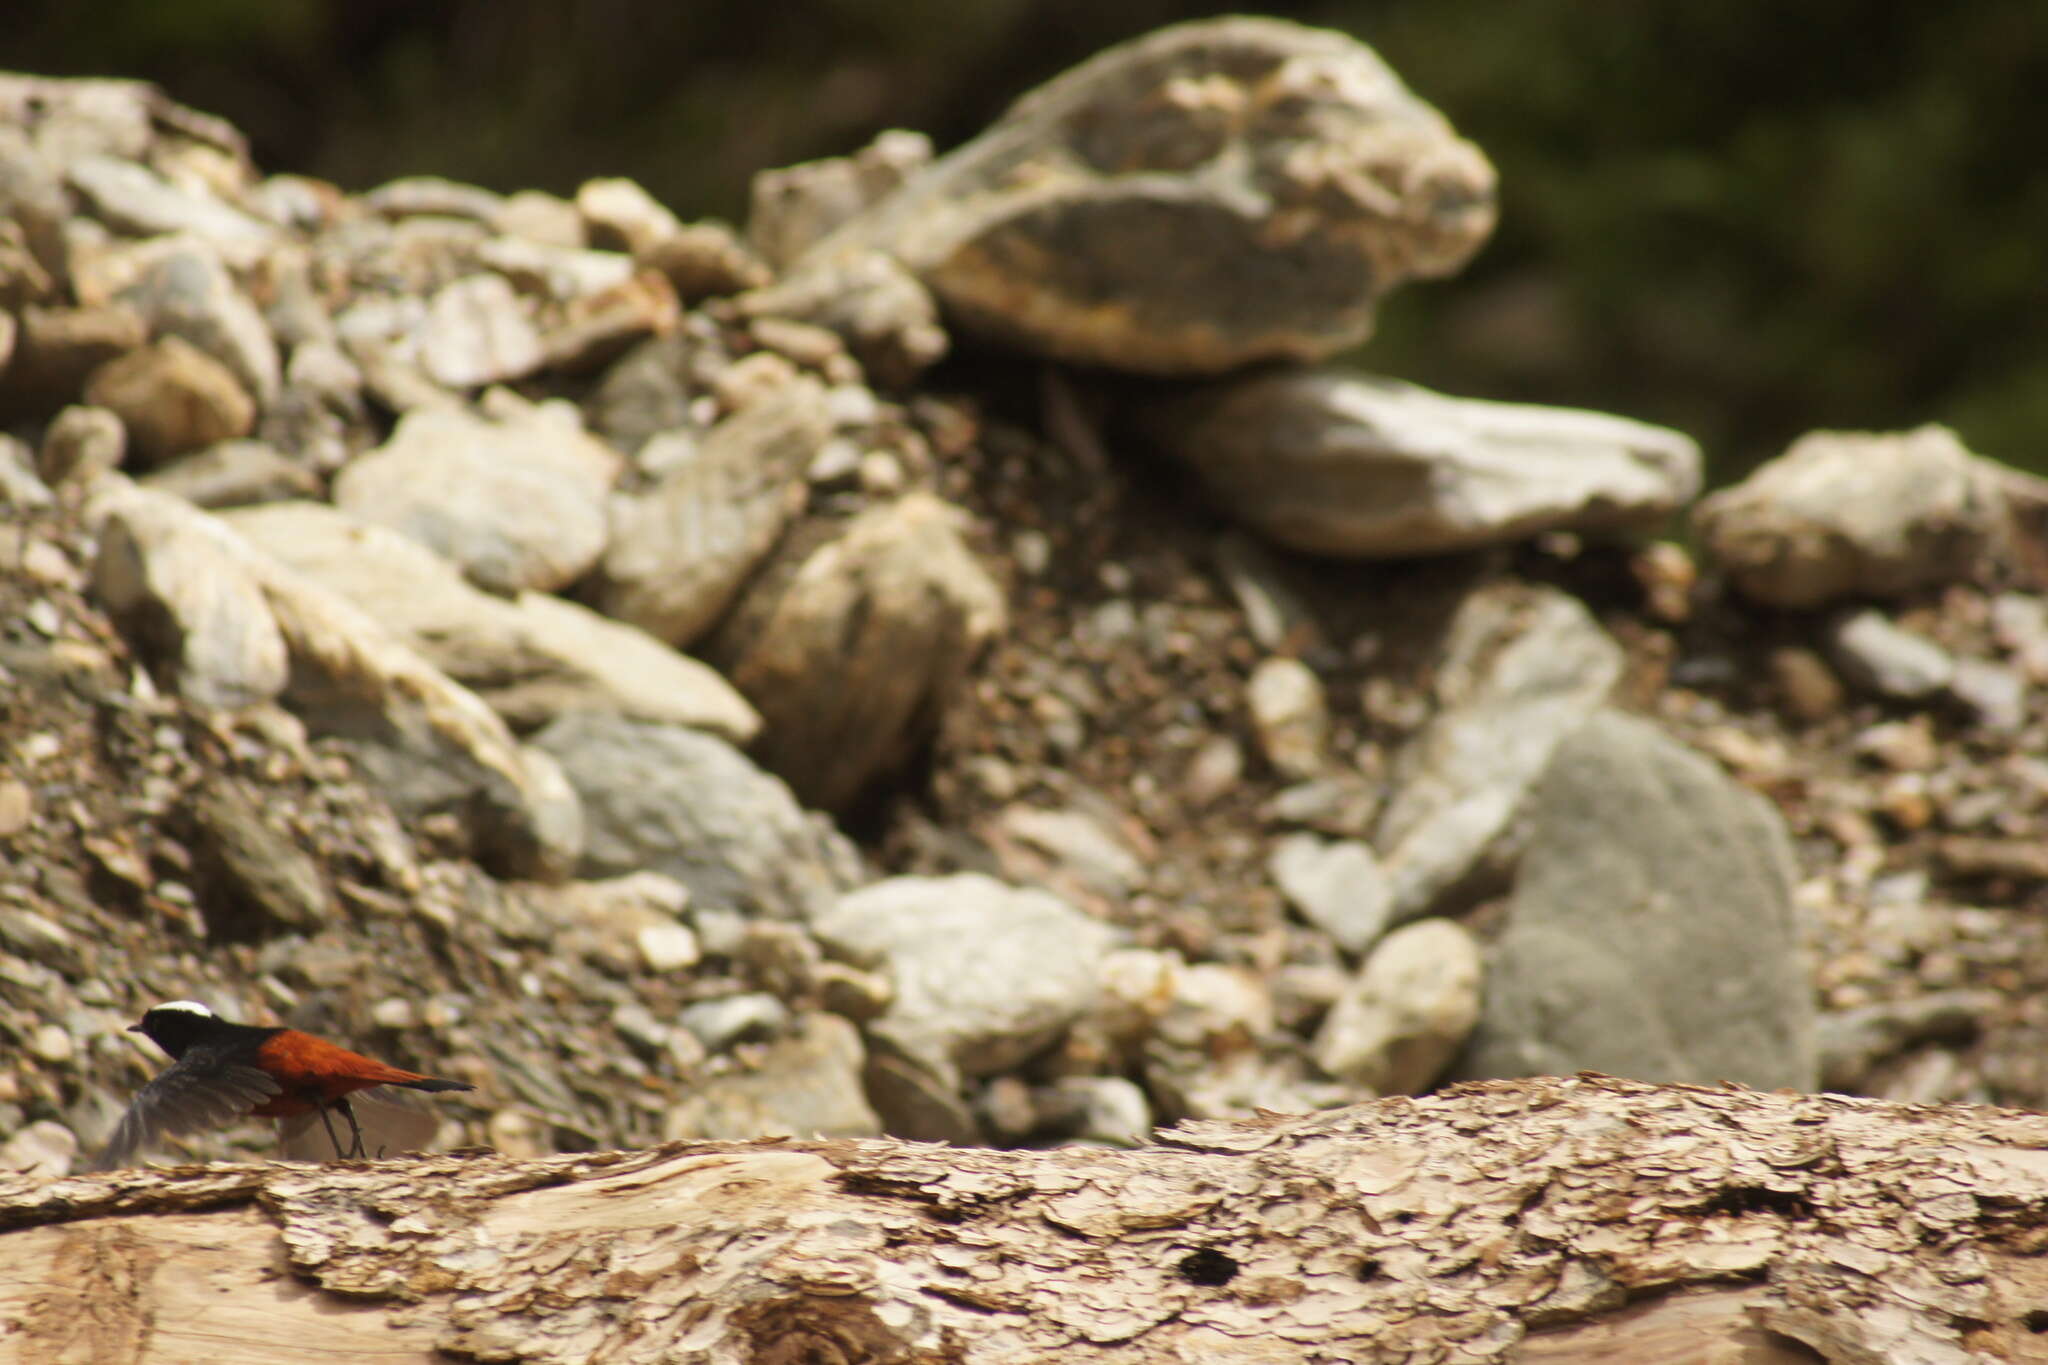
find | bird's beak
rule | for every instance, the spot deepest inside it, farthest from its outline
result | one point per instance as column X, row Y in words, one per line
column 135, row 1028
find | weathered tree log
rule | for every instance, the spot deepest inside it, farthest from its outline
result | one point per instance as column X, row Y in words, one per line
column 1539, row 1220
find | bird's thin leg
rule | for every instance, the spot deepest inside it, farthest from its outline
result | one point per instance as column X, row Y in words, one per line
column 328, row 1124
column 355, row 1129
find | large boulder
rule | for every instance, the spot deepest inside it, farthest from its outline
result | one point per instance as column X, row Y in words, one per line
column 1211, row 195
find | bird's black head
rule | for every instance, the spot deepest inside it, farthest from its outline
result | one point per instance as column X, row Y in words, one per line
column 177, row 1025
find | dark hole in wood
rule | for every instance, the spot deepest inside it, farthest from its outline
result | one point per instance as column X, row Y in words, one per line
column 1208, row 1267
column 1742, row 1200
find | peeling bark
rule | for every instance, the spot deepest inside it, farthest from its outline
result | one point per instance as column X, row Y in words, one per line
column 1539, row 1221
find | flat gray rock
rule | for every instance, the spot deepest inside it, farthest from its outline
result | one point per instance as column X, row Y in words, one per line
column 1349, row 464
column 234, row 474
column 1878, row 654
column 138, row 200
column 1208, row 196
column 688, row 804
column 986, row 974
column 1651, row 931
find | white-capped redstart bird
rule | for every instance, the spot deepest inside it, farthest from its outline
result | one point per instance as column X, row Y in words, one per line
column 222, row 1071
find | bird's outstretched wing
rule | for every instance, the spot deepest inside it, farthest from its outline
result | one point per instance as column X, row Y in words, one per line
column 192, row 1094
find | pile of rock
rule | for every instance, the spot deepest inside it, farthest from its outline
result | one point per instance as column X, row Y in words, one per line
column 421, row 495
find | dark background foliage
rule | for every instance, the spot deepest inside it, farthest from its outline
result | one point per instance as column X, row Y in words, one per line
column 1739, row 217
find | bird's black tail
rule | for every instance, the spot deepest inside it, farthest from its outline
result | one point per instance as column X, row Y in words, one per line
column 434, row 1083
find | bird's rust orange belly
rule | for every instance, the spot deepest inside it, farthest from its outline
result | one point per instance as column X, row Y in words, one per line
column 313, row 1072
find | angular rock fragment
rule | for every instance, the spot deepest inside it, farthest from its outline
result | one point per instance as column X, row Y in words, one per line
column 234, row 474
column 189, row 294
column 1289, row 715
column 1857, row 514
column 56, row 349
column 619, row 215
column 679, row 552
column 794, row 207
column 172, row 397
column 240, row 627
column 854, row 655
column 258, row 868
column 417, row 195
column 806, row 1085
column 1359, row 466
column 532, row 657
column 1522, row 667
column 886, row 317
column 19, row 486
column 180, row 584
column 80, row 445
column 595, row 328
column 1080, row 848
column 477, row 332
column 1408, row 1012
column 706, row 260
column 517, row 503
column 649, row 390
column 1338, row 886
column 137, row 200
column 1878, row 654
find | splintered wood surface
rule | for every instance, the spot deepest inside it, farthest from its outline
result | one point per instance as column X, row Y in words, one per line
column 1542, row 1220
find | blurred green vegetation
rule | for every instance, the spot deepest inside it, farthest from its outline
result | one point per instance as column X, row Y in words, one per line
column 1744, row 219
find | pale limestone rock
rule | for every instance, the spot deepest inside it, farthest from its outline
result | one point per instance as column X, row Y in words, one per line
column 1408, row 1012
column 531, row 657
column 517, row 503
column 1349, row 464
column 1861, row 514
